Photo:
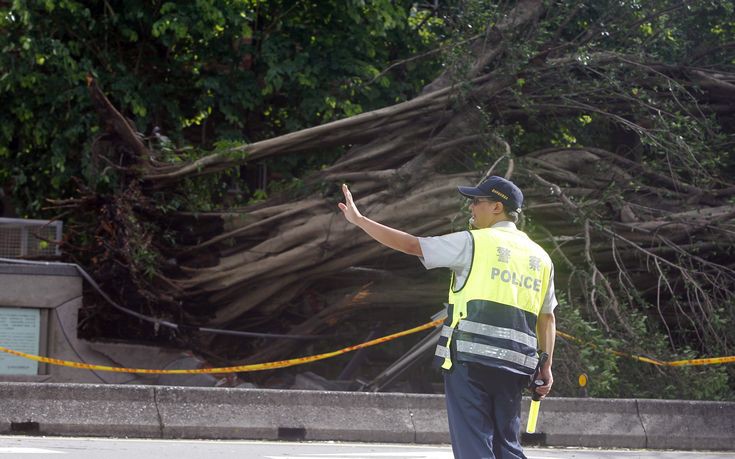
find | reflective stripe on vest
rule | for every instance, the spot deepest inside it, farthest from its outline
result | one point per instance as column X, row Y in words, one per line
column 496, row 332
column 490, row 351
column 442, row 352
column 497, row 353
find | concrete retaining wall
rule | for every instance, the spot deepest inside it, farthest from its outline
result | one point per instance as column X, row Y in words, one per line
column 56, row 290
column 224, row 413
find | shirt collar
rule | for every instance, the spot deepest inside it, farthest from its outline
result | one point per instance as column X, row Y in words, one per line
column 504, row 224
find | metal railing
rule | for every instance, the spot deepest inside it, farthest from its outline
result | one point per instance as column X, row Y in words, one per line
column 22, row 238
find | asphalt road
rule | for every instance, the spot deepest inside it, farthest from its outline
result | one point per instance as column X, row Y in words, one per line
column 89, row 448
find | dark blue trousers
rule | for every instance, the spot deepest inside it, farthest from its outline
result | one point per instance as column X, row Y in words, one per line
column 484, row 409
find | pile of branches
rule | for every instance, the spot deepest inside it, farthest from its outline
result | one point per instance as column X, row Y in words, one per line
column 639, row 220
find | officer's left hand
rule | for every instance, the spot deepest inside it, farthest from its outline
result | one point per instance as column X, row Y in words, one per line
column 546, row 375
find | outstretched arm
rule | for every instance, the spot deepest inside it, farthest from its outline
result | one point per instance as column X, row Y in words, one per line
column 390, row 237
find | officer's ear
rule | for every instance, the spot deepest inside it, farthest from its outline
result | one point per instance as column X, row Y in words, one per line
column 497, row 207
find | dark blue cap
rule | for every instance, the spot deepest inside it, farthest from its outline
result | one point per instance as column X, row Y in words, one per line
column 496, row 189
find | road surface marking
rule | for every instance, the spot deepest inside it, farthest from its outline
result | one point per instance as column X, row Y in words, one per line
column 395, row 455
column 368, row 455
column 17, row 450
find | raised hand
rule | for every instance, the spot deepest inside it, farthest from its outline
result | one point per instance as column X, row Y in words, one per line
column 348, row 207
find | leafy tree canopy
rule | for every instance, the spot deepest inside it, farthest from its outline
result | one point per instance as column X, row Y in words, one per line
column 200, row 72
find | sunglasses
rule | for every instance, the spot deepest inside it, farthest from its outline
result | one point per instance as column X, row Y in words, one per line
column 476, row 201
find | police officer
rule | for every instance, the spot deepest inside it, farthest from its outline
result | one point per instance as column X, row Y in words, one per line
column 501, row 310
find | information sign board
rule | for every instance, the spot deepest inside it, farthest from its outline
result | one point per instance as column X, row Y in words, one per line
column 20, row 330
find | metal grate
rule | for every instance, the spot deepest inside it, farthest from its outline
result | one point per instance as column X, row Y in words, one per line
column 20, row 238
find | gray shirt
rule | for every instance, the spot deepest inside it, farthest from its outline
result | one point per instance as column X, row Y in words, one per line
column 454, row 251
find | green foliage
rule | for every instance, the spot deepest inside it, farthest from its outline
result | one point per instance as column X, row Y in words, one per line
column 590, row 355
column 624, row 49
column 645, row 380
column 613, row 372
column 199, row 71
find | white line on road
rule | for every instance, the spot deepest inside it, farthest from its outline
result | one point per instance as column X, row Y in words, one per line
column 17, row 450
column 395, row 455
column 368, row 455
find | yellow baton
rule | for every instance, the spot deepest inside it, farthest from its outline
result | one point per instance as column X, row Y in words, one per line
column 535, row 397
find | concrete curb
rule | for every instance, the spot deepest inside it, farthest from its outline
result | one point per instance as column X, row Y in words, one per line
column 78, row 409
column 224, row 413
column 278, row 414
column 674, row 424
column 590, row 422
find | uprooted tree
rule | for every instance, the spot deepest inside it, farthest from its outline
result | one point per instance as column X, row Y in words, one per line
column 617, row 121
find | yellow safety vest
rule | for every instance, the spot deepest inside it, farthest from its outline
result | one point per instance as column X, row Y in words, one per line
column 492, row 317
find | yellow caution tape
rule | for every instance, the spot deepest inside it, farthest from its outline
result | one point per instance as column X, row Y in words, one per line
column 235, row 369
column 314, row 358
column 662, row 363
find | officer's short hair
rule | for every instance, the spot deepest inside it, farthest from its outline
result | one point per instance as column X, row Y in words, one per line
column 513, row 216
